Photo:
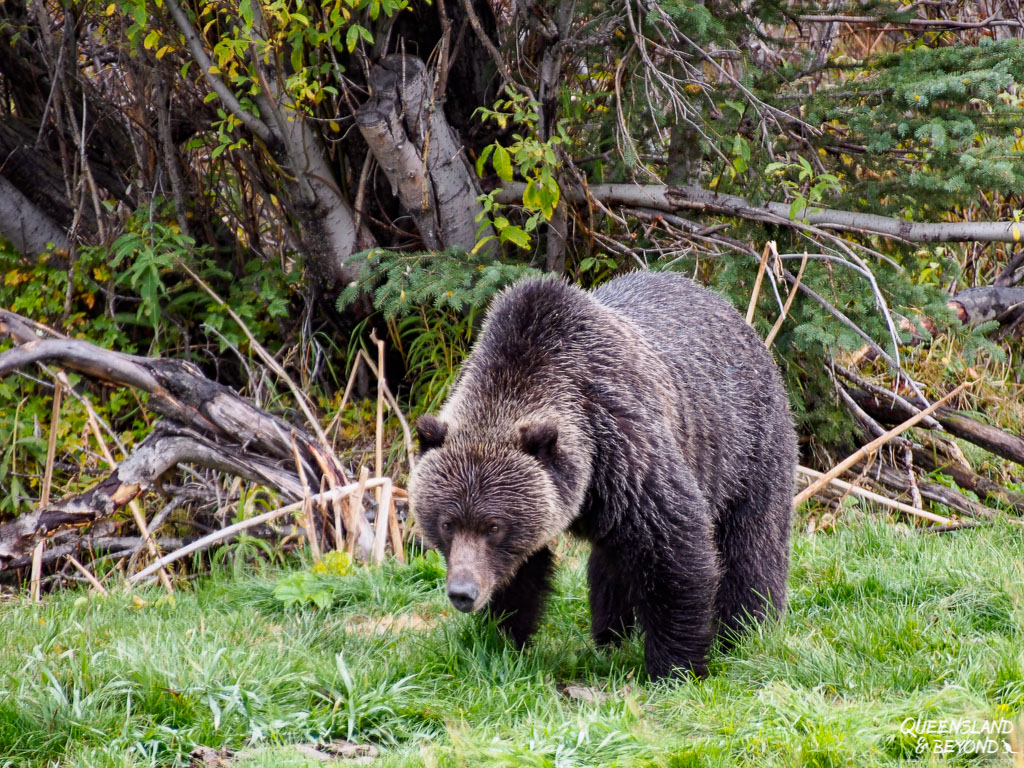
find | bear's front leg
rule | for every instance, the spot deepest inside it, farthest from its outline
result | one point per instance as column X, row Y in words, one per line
column 611, row 608
column 679, row 581
column 518, row 604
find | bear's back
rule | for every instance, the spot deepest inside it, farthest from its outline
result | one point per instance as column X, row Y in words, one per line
column 730, row 401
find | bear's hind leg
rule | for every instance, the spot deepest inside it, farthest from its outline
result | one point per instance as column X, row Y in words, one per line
column 753, row 542
column 611, row 608
column 519, row 603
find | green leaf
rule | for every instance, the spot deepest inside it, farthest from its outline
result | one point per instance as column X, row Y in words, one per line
column 531, row 195
column 482, row 160
column 502, row 163
column 549, row 195
column 516, row 236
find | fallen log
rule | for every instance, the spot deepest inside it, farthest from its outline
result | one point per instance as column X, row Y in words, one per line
column 204, row 423
column 966, row 478
column 987, row 302
column 897, row 480
column 161, row 451
column 995, row 440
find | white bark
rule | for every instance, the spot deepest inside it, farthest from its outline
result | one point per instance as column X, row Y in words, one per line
column 28, row 228
column 671, row 198
column 454, row 184
column 381, row 125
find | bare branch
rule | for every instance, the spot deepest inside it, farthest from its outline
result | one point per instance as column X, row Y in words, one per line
column 669, row 198
column 258, row 128
column 158, row 453
column 991, row 21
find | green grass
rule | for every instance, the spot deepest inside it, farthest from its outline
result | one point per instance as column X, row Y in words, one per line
column 884, row 624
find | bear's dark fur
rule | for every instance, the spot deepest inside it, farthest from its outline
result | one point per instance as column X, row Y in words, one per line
column 645, row 417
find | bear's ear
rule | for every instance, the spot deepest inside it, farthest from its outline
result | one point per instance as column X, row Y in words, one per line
column 432, row 432
column 538, row 439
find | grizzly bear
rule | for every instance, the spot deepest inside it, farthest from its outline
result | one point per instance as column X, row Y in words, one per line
column 645, row 417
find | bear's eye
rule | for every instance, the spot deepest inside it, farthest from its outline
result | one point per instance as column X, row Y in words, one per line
column 493, row 530
column 446, row 527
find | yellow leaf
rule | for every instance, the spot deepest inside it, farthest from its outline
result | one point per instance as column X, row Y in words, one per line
column 334, row 126
column 692, row 88
column 162, row 51
column 1016, row 232
column 213, row 70
column 110, row 9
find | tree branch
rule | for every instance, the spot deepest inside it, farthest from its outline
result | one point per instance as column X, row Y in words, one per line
column 158, row 453
column 670, row 198
column 453, row 187
column 916, row 23
column 256, row 126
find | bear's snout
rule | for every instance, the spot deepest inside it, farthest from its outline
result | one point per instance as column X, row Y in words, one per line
column 463, row 593
column 470, row 574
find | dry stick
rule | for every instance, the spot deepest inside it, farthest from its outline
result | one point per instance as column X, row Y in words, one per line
column 51, row 444
column 140, row 522
column 345, row 396
column 379, row 454
column 328, row 467
column 406, row 432
column 394, row 529
column 133, row 505
column 785, row 307
column 856, row 456
column 362, row 357
column 355, row 509
column 769, row 247
column 876, row 497
column 339, row 540
column 330, row 476
column 231, row 530
column 267, row 358
column 381, row 522
column 44, row 496
column 322, row 507
column 88, row 576
column 307, row 505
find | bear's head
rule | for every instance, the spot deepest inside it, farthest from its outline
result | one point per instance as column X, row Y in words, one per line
column 489, row 501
